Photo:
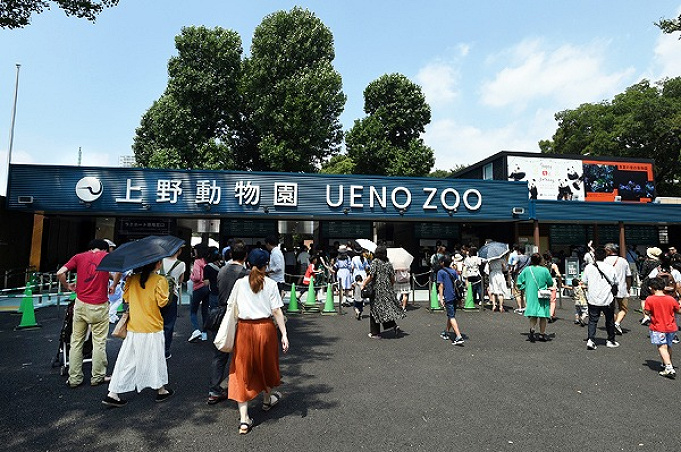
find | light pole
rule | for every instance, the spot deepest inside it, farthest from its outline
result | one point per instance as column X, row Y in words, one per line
column 11, row 128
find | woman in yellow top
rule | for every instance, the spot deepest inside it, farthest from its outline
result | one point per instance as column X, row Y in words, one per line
column 141, row 361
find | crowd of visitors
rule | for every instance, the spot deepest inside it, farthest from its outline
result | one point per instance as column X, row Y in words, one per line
column 252, row 281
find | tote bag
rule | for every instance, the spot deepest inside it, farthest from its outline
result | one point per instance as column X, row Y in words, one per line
column 121, row 328
column 224, row 339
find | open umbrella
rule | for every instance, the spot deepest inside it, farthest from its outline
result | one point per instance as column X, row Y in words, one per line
column 140, row 253
column 400, row 258
column 366, row 244
column 493, row 250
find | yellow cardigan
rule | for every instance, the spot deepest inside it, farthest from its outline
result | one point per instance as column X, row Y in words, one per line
column 145, row 304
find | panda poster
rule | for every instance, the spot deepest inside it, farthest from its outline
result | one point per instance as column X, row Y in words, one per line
column 550, row 179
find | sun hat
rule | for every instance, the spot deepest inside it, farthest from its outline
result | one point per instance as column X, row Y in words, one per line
column 258, row 257
column 458, row 257
column 653, row 252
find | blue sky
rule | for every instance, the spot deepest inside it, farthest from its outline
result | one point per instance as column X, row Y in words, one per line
column 493, row 72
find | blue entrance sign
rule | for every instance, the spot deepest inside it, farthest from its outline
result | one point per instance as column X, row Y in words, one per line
column 126, row 191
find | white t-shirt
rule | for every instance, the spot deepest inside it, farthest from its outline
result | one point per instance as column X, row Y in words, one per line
column 254, row 306
column 178, row 271
column 599, row 291
column 622, row 271
column 276, row 266
column 472, row 265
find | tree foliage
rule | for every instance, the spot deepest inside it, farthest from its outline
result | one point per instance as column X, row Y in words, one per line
column 277, row 110
column 642, row 122
column 670, row 25
column 294, row 94
column 196, row 120
column 388, row 140
column 17, row 13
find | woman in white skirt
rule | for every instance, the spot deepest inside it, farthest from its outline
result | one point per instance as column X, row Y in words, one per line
column 141, row 361
column 497, row 283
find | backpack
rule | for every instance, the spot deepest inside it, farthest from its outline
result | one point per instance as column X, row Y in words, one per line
column 172, row 283
column 402, row 276
column 669, row 283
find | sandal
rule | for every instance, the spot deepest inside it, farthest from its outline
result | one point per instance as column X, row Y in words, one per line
column 245, row 427
column 274, row 399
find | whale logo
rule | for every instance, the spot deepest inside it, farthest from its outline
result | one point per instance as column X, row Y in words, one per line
column 89, row 189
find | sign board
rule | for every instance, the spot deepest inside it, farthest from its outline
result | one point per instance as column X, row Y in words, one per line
column 448, row 231
column 347, row 229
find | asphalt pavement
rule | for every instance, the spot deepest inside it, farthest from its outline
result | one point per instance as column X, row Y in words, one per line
column 346, row 392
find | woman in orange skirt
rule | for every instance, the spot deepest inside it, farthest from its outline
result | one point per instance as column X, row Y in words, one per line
column 255, row 357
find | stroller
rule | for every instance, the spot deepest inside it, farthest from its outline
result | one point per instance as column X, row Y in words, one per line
column 62, row 358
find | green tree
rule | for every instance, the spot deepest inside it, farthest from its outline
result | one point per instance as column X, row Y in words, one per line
column 197, row 122
column 17, row 13
column 293, row 94
column 670, row 25
column 642, row 122
column 443, row 174
column 388, row 140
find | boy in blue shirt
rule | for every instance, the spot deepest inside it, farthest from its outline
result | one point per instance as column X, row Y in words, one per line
column 448, row 297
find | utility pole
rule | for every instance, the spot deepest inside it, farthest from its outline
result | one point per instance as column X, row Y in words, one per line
column 11, row 128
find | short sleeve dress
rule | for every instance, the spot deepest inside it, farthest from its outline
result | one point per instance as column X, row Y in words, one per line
column 384, row 307
column 533, row 278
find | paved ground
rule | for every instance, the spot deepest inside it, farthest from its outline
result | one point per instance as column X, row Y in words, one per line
column 346, row 392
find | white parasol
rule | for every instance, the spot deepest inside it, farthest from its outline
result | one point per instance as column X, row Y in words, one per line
column 366, row 244
column 400, row 258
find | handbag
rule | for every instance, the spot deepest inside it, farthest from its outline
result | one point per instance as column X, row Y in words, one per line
column 224, row 339
column 121, row 328
column 541, row 293
column 614, row 288
column 214, row 319
column 368, row 292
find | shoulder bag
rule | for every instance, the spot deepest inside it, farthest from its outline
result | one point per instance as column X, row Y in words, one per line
column 224, row 339
column 613, row 286
column 541, row 293
column 121, row 328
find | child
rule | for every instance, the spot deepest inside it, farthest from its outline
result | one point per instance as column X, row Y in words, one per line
column 581, row 308
column 661, row 309
column 358, row 301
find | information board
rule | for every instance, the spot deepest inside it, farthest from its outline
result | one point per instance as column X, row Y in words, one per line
column 346, row 229
column 247, row 228
column 568, row 234
column 437, row 231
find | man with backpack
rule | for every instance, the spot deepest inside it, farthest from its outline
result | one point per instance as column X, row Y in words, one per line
column 173, row 269
column 449, row 292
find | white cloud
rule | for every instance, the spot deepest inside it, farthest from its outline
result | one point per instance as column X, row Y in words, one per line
column 456, row 143
column 568, row 74
column 667, row 57
column 464, row 49
column 439, row 82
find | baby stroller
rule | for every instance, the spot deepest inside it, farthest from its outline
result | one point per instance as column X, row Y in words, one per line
column 62, row 358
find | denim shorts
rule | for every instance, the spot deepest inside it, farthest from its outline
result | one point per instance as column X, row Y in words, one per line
column 450, row 307
column 660, row 338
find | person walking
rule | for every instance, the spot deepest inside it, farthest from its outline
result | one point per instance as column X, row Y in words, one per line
column 173, row 269
column 533, row 279
column 471, row 266
column 624, row 278
column 599, row 278
column 275, row 270
column 255, row 357
column 343, row 269
column 448, row 297
column 228, row 275
column 651, row 261
column 200, row 296
column 661, row 308
column 141, row 361
column 91, row 309
column 383, row 307
column 521, row 261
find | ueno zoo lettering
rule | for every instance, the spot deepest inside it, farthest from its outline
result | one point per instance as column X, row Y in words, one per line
column 401, row 197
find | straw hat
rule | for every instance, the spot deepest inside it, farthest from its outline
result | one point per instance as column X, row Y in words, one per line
column 653, row 252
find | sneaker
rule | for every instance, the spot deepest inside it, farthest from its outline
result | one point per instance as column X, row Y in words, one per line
column 204, row 336
column 612, row 344
column 110, row 401
column 216, row 398
column 618, row 329
column 645, row 321
column 444, row 335
column 676, row 339
column 458, row 341
column 669, row 373
column 590, row 345
column 195, row 336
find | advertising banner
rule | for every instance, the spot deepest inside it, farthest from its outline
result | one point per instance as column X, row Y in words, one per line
column 551, row 179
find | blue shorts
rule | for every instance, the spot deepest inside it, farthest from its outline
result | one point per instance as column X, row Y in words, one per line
column 660, row 338
column 450, row 307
